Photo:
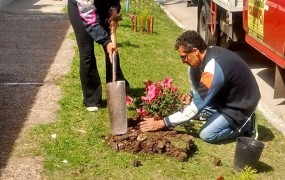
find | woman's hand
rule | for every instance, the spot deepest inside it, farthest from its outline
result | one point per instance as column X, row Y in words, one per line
column 111, row 47
column 151, row 124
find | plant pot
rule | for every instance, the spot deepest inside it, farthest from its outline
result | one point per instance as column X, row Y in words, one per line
column 247, row 153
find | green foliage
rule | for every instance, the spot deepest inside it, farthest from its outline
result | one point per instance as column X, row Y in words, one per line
column 139, row 7
column 144, row 14
column 247, row 174
column 79, row 150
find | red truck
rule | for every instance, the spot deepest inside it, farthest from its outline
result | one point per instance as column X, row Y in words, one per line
column 261, row 23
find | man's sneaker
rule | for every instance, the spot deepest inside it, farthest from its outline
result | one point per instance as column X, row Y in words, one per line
column 203, row 116
column 206, row 113
column 92, row 109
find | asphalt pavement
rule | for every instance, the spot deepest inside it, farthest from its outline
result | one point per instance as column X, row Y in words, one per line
column 262, row 67
column 35, row 52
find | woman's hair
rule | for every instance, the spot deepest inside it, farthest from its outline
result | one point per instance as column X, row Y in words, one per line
column 190, row 39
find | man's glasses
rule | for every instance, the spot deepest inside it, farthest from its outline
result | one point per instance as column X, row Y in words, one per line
column 184, row 57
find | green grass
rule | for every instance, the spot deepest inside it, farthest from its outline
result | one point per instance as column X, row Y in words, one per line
column 79, row 133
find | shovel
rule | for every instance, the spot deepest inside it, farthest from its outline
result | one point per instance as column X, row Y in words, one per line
column 116, row 97
column 116, row 101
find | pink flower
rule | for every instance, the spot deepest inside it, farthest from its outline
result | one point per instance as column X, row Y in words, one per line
column 174, row 89
column 132, row 16
column 152, row 92
column 129, row 100
column 147, row 83
column 147, row 99
column 161, row 99
column 141, row 112
column 167, row 83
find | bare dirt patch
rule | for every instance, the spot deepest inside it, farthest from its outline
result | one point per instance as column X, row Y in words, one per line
column 168, row 142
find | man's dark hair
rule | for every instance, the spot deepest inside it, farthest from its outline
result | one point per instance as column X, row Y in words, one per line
column 190, row 39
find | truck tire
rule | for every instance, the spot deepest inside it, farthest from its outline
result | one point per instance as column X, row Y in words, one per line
column 223, row 41
column 204, row 28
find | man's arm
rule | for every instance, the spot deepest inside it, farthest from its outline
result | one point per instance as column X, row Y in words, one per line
column 212, row 80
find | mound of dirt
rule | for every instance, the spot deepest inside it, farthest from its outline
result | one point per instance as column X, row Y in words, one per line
column 168, row 142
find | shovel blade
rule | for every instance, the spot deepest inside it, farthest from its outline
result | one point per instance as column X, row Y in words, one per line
column 116, row 101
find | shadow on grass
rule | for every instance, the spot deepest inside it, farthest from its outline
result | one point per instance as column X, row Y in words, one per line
column 262, row 167
column 127, row 44
column 137, row 92
column 192, row 128
column 265, row 133
column 194, row 149
column 128, row 26
column 227, row 141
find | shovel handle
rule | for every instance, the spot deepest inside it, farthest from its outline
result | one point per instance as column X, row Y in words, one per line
column 113, row 28
column 113, row 37
column 114, row 66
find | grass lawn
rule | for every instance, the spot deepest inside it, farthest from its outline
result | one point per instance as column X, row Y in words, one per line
column 78, row 151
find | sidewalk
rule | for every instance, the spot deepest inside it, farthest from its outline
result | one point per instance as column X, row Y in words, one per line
column 35, row 52
column 263, row 69
column 34, row 6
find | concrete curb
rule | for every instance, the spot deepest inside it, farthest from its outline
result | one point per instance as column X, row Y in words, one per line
column 273, row 119
column 173, row 18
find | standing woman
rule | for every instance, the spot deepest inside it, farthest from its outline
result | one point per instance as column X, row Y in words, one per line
column 90, row 21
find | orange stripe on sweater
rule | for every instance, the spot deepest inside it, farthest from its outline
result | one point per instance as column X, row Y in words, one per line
column 207, row 79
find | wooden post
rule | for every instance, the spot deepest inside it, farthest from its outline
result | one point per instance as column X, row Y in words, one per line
column 141, row 24
column 135, row 23
column 148, row 24
column 151, row 24
column 132, row 23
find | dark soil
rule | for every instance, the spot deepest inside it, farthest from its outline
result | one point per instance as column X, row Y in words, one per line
column 168, row 142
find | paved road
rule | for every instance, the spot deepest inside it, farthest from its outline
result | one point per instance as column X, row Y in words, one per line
column 34, row 53
column 263, row 68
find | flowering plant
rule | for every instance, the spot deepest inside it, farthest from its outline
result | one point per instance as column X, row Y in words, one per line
column 161, row 99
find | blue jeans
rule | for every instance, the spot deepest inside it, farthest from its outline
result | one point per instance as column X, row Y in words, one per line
column 217, row 128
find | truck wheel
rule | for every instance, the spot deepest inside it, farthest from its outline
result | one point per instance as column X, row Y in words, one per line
column 224, row 41
column 204, row 28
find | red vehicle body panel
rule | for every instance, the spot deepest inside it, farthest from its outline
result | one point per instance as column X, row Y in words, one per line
column 264, row 25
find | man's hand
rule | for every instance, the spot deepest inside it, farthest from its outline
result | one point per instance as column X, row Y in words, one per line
column 186, row 99
column 111, row 47
column 150, row 124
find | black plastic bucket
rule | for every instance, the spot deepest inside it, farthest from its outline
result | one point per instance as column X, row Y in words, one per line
column 247, row 153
